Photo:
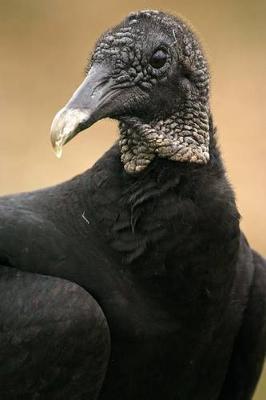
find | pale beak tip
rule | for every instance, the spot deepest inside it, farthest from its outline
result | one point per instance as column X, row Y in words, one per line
column 66, row 124
column 58, row 132
column 58, row 151
column 57, row 145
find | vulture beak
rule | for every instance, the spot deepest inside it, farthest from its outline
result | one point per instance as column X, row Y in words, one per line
column 85, row 107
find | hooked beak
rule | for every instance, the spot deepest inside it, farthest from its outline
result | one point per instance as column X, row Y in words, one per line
column 85, row 107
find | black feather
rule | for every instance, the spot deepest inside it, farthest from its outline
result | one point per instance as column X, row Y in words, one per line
column 161, row 253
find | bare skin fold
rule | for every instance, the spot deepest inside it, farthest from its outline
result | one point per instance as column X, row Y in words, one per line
column 133, row 280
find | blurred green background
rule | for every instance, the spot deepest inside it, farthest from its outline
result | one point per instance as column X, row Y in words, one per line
column 44, row 45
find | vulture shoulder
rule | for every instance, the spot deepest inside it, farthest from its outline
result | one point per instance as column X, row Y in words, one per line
column 54, row 338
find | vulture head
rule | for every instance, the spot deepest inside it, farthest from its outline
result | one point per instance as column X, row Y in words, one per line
column 149, row 73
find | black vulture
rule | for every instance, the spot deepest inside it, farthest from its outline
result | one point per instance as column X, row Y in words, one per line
column 133, row 280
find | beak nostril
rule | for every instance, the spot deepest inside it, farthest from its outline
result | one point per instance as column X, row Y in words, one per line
column 98, row 87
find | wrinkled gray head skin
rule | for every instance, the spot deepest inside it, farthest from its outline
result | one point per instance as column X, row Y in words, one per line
column 158, row 88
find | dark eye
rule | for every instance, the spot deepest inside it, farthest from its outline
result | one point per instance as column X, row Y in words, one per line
column 158, row 59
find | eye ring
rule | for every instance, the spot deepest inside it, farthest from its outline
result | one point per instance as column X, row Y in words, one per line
column 158, row 59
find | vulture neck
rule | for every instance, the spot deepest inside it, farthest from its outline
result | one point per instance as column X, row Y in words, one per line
column 184, row 135
column 169, row 206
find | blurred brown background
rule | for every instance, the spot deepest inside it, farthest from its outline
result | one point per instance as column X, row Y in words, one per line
column 43, row 50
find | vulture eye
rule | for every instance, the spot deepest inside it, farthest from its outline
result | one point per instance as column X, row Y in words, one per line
column 158, row 59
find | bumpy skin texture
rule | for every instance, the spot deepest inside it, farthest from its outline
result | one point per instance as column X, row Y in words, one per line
column 154, row 238
column 179, row 132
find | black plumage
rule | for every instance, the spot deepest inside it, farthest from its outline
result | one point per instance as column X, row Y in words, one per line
column 174, row 305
